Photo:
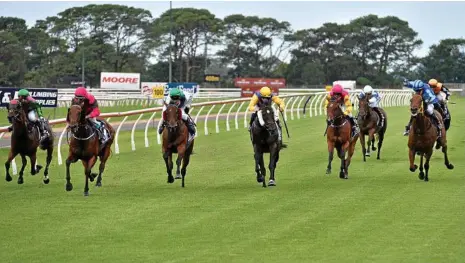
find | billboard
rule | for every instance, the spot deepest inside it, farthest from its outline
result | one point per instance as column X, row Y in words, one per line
column 250, row 85
column 155, row 90
column 214, row 78
column 119, row 80
column 46, row 97
column 191, row 87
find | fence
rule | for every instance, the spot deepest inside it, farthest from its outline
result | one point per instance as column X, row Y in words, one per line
column 314, row 103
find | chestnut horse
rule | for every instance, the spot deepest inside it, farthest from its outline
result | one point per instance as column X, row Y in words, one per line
column 368, row 122
column 25, row 141
column 175, row 140
column 422, row 136
column 339, row 136
column 265, row 139
column 84, row 145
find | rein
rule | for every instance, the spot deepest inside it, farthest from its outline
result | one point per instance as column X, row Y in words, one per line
column 79, row 125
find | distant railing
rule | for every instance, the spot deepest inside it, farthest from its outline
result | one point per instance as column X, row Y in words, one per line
column 313, row 102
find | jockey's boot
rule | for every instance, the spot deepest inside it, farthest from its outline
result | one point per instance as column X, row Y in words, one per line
column 43, row 131
column 407, row 128
column 376, row 109
column 190, row 126
column 437, row 124
column 252, row 119
column 162, row 126
column 354, row 126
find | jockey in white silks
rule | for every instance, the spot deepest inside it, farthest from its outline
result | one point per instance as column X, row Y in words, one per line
column 374, row 100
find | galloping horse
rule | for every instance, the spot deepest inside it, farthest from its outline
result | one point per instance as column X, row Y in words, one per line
column 265, row 139
column 175, row 140
column 368, row 121
column 422, row 136
column 25, row 141
column 339, row 137
column 85, row 146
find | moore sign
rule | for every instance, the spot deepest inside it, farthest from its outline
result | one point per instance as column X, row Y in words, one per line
column 118, row 80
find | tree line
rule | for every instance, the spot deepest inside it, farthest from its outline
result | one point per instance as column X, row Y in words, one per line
column 118, row 38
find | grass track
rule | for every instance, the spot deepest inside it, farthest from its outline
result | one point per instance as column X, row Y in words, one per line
column 383, row 213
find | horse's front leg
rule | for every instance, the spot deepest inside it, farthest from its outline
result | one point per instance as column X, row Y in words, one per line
column 23, row 166
column 181, row 151
column 371, row 141
column 256, row 156
column 35, row 169
column 362, row 142
column 88, row 165
column 261, row 162
column 342, row 155
column 71, row 159
column 330, row 156
column 46, row 180
column 272, row 165
column 169, row 166
column 411, row 156
column 11, row 156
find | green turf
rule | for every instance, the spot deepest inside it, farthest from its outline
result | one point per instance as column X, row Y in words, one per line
column 383, row 213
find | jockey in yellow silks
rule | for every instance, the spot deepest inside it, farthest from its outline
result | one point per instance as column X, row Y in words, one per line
column 257, row 100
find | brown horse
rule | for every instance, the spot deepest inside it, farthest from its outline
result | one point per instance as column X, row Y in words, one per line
column 339, row 136
column 85, row 145
column 368, row 121
column 265, row 139
column 25, row 141
column 422, row 136
column 175, row 140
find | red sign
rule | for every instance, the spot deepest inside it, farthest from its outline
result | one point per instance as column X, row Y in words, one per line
column 250, row 85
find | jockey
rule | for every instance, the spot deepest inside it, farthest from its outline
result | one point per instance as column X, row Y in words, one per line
column 441, row 92
column 33, row 109
column 429, row 99
column 257, row 100
column 92, row 111
column 374, row 100
column 183, row 101
column 344, row 99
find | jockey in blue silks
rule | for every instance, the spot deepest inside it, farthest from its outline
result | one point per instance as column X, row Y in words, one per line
column 430, row 100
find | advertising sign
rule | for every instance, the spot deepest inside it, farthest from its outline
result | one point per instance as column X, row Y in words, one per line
column 211, row 78
column 155, row 90
column 250, row 85
column 191, row 87
column 46, row 97
column 118, row 80
column 346, row 84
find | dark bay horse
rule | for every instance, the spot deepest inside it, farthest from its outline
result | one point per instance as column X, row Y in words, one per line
column 175, row 140
column 265, row 139
column 339, row 136
column 25, row 139
column 369, row 122
column 84, row 145
column 422, row 136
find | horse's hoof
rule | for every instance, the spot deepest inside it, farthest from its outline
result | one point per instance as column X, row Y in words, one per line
column 170, row 179
column 38, row 168
column 92, row 177
column 367, row 154
column 264, row 185
column 69, row 187
column 377, row 158
column 450, row 166
column 86, row 193
column 328, row 171
column 46, row 180
column 260, row 179
column 8, row 178
column 373, row 148
column 346, row 177
column 98, row 184
column 426, row 179
column 178, row 176
column 414, row 168
column 20, row 180
column 271, row 183
column 341, row 175
column 421, row 176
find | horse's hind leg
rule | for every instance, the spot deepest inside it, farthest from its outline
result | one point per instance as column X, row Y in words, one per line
column 88, row 170
column 373, row 148
column 256, row 156
column 341, row 154
column 46, row 180
column 178, row 165
column 272, row 165
column 364, row 150
column 330, row 157
column 23, row 166
column 427, row 157
column 101, row 168
column 262, row 168
column 371, row 141
column 446, row 158
column 380, row 144
column 349, row 159
column 35, row 169
column 185, row 163
column 169, row 166
column 421, row 176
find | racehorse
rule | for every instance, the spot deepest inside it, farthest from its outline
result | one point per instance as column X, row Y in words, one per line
column 265, row 139
column 25, row 139
column 368, row 121
column 339, row 136
column 422, row 136
column 84, row 145
column 175, row 140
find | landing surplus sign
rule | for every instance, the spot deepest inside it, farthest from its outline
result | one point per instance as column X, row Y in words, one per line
column 46, row 97
column 118, row 80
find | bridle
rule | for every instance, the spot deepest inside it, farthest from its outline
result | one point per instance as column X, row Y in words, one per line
column 75, row 127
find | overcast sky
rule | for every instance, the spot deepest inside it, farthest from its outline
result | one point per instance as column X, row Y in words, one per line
column 432, row 20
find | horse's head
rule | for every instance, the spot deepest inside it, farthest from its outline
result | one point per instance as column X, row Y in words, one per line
column 16, row 114
column 334, row 110
column 416, row 104
column 172, row 116
column 266, row 116
column 363, row 108
column 75, row 114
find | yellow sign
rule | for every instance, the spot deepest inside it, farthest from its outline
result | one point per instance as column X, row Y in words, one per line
column 158, row 92
column 212, row 78
column 329, row 87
